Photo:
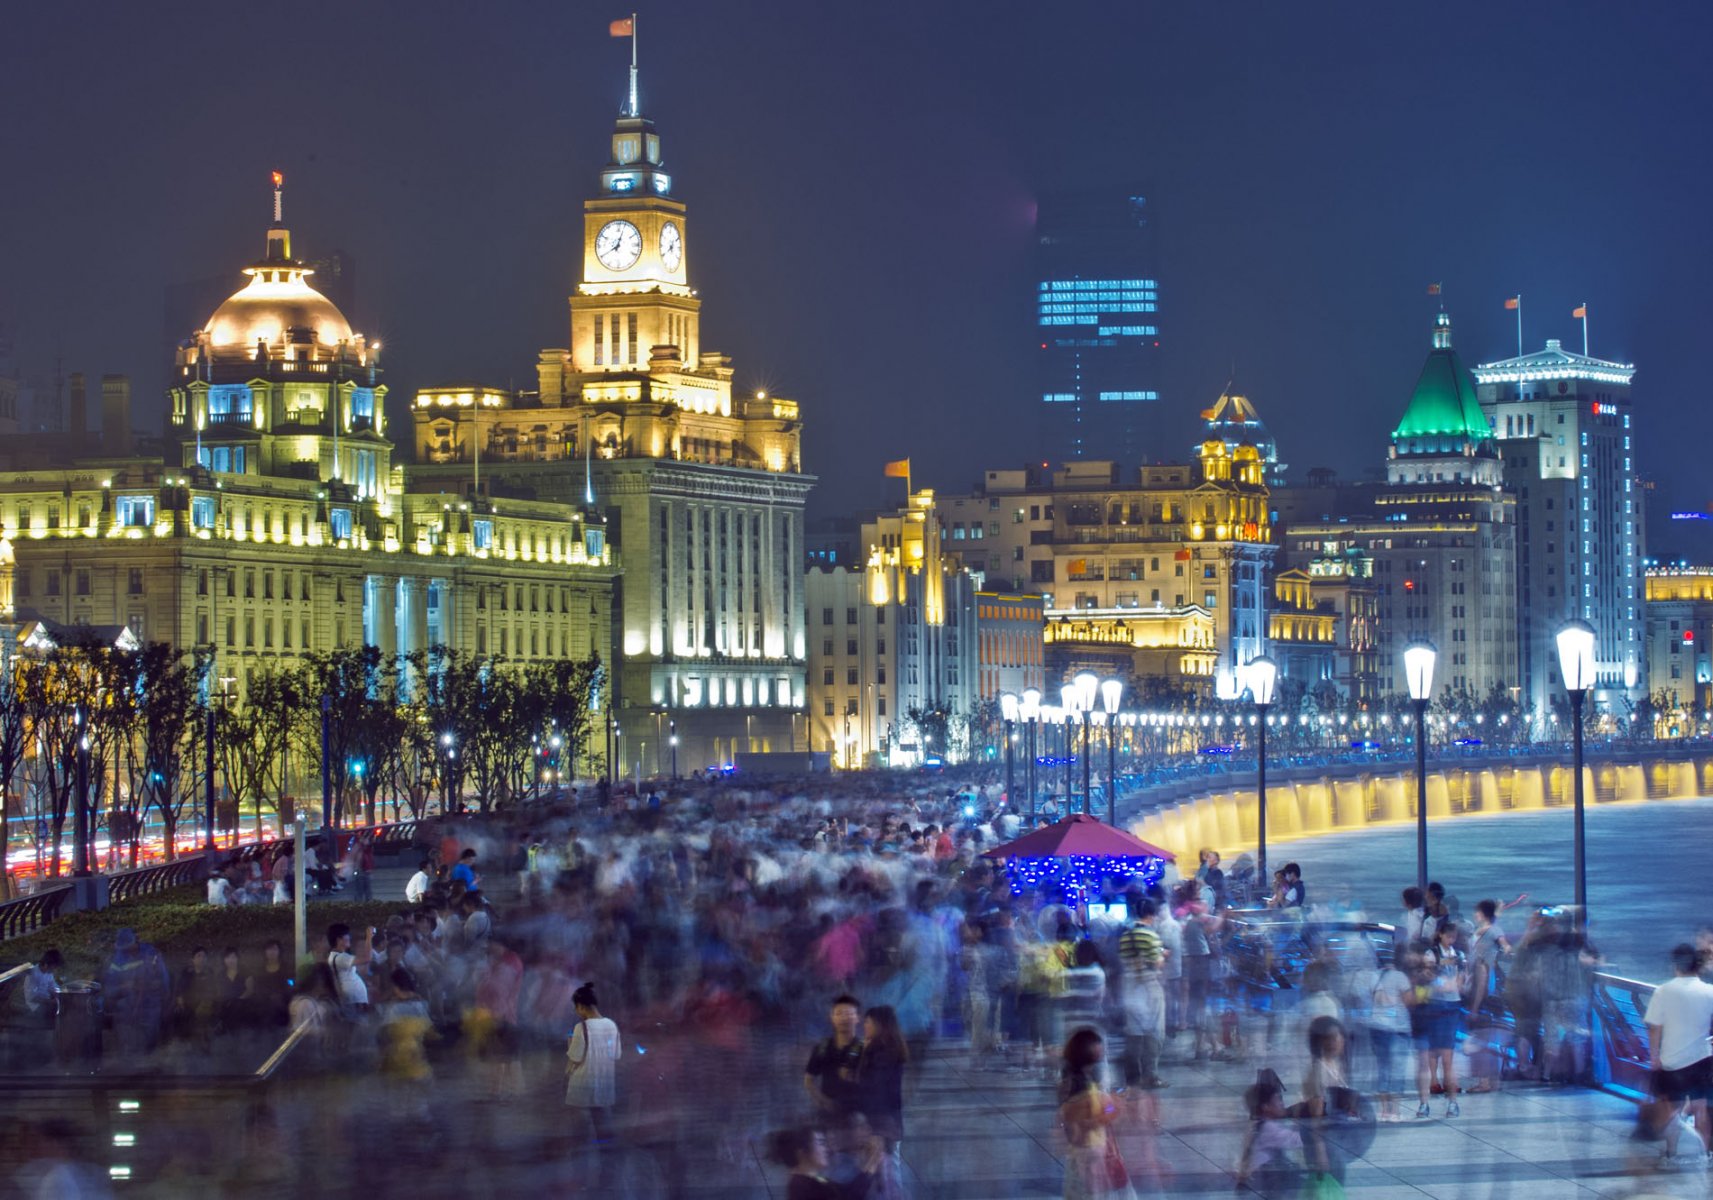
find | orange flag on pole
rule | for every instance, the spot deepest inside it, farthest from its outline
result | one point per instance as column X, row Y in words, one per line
column 1514, row 303
column 624, row 28
column 1579, row 312
column 898, row 470
column 1433, row 289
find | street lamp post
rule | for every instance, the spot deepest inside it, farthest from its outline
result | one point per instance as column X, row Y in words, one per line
column 208, row 779
column 672, row 737
column 299, row 915
column 326, row 766
column 1008, row 711
column 448, row 743
column 1031, row 710
column 1576, row 666
column 1418, row 674
column 1069, row 697
column 1088, row 687
column 1111, row 692
column 1261, row 675
column 80, row 829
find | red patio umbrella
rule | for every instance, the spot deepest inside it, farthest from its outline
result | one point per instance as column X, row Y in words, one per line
column 1079, row 836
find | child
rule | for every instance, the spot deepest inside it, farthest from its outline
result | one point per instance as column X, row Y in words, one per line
column 1271, row 1149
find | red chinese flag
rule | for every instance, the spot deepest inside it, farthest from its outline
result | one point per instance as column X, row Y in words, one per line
column 899, row 469
column 1433, row 289
column 624, row 28
column 1580, row 312
column 1515, row 302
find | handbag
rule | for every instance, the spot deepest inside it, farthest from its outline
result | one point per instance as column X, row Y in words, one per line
column 1322, row 1185
column 1117, row 1178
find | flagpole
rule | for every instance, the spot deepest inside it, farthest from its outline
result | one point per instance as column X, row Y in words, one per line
column 1585, row 329
column 1519, row 324
column 635, row 111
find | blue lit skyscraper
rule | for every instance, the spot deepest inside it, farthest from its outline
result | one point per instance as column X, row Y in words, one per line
column 1097, row 324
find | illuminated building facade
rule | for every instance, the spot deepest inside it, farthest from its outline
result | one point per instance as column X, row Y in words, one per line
column 1177, row 646
column 1096, row 323
column 277, row 523
column 1324, row 626
column 1442, row 537
column 896, row 636
column 1562, row 422
column 1234, row 421
column 1679, row 616
column 1160, row 538
column 701, row 486
column 1011, row 646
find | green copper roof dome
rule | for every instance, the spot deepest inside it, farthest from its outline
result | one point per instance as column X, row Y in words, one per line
column 1443, row 407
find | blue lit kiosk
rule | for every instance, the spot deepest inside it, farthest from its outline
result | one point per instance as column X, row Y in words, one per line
column 1080, row 862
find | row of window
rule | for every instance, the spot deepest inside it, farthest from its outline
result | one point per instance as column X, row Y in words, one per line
column 851, row 676
column 851, row 709
column 82, row 582
column 608, row 349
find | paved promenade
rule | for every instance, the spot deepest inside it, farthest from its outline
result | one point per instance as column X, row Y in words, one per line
column 980, row 1133
column 694, row 1126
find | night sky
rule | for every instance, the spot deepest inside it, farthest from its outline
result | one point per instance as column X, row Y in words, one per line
column 861, row 180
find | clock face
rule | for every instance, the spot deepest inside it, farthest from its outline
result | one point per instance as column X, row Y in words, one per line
column 618, row 245
column 671, row 246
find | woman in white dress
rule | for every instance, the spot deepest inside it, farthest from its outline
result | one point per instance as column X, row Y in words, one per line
column 592, row 1058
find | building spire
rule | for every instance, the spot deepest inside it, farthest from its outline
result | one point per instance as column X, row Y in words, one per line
column 1442, row 330
column 279, row 237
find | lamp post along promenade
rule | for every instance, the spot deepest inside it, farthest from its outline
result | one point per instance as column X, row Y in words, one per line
column 1419, row 660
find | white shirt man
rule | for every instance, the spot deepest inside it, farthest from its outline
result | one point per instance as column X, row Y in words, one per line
column 353, row 992
column 1678, row 1018
column 218, row 887
column 418, row 886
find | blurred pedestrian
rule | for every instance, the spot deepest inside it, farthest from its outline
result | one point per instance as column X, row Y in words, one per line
column 1678, row 1018
column 1094, row 1168
column 591, row 1064
column 1442, row 1015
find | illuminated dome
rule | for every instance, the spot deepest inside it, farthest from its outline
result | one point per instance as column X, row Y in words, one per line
column 276, row 301
column 278, row 310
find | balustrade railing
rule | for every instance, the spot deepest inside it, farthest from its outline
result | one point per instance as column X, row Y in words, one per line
column 26, row 915
column 147, row 881
column 30, row 913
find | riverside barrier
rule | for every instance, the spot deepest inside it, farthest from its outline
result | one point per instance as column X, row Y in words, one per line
column 30, row 913
column 1305, row 801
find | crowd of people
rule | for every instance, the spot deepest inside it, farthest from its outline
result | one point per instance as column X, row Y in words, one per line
column 653, row 953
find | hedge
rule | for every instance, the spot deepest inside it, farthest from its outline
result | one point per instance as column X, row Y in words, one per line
column 176, row 923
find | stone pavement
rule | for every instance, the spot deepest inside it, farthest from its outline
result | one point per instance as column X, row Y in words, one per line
column 984, row 1133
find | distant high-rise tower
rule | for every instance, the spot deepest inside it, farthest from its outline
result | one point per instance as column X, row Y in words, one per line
column 1097, row 324
column 1562, row 421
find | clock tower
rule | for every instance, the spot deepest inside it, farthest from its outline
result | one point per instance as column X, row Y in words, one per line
column 634, row 296
column 701, row 487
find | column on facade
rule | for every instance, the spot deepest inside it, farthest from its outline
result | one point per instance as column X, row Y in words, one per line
column 413, row 605
column 451, row 626
column 381, row 602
